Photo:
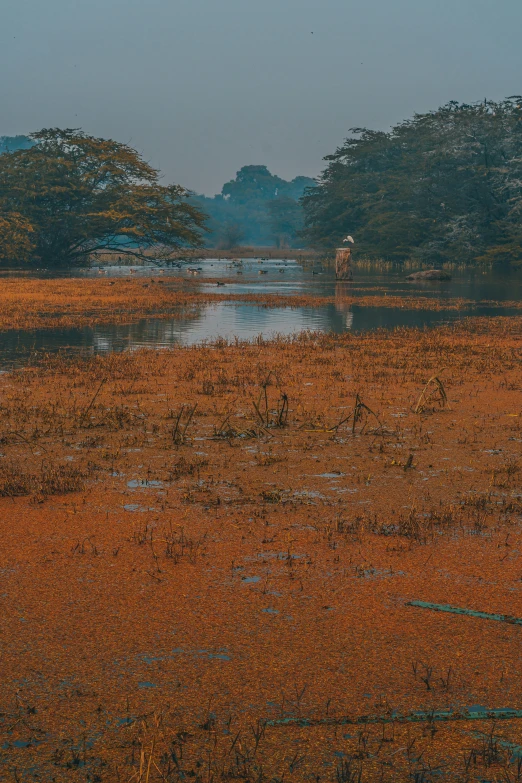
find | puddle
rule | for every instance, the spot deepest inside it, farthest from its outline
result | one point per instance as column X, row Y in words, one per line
column 134, row 483
column 31, row 743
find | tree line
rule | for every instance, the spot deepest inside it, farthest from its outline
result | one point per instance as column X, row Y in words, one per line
column 257, row 208
column 68, row 195
column 65, row 196
column 442, row 186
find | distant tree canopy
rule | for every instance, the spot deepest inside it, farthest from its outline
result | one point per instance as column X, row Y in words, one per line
column 443, row 186
column 70, row 195
column 230, row 236
column 285, row 220
column 12, row 143
column 243, row 207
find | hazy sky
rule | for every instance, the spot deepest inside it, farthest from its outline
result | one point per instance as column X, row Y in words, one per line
column 203, row 87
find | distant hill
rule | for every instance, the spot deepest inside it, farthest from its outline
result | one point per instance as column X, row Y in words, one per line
column 12, row 143
column 255, row 208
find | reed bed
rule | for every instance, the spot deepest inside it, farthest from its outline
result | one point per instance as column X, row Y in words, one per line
column 412, row 265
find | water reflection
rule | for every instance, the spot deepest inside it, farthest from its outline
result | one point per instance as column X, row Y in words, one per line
column 249, row 321
column 343, row 290
column 287, row 277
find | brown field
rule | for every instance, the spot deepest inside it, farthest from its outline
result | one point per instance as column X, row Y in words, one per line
column 201, row 543
column 28, row 303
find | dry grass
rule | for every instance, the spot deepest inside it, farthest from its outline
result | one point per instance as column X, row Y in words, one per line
column 251, row 559
column 16, row 481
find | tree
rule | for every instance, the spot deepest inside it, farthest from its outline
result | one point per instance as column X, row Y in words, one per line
column 285, row 217
column 230, row 236
column 252, row 183
column 446, row 185
column 243, row 202
column 77, row 195
column 16, row 239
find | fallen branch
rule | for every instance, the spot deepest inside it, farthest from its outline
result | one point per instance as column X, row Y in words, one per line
column 411, row 717
column 501, row 618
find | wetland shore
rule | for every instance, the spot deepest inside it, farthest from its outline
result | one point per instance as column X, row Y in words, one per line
column 205, row 548
column 35, row 303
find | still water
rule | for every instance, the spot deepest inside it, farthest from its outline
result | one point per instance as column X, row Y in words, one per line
column 246, row 321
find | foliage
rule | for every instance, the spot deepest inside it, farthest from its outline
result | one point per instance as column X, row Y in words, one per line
column 230, row 236
column 285, row 220
column 443, row 186
column 256, row 183
column 244, row 204
column 76, row 195
column 16, row 238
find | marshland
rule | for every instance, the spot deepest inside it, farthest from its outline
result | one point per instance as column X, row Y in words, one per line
column 113, row 307
column 210, row 551
column 260, row 465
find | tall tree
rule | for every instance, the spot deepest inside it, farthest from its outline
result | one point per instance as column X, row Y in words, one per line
column 444, row 185
column 16, row 239
column 77, row 194
column 252, row 183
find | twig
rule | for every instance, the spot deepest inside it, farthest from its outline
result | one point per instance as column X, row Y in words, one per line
column 86, row 411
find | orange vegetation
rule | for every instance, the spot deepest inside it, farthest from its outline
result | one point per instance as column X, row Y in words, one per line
column 28, row 303
column 198, row 541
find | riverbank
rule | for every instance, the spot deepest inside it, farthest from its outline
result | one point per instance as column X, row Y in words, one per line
column 199, row 544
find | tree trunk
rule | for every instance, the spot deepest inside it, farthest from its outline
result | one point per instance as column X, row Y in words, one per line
column 343, row 263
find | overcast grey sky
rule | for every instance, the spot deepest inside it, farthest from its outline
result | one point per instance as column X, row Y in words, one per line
column 203, row 87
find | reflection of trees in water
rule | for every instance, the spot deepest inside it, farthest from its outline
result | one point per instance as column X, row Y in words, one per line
column 17, row 346
column 343, row 307
column 148, row 331
column 223, row 319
